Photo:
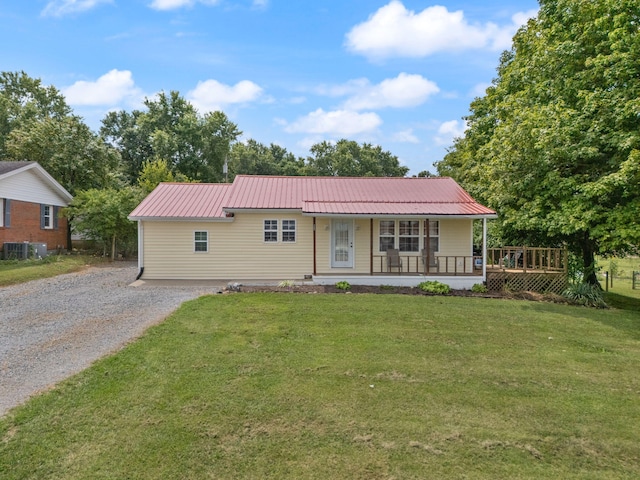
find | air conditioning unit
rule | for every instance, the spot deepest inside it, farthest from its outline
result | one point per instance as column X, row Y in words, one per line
column 16, row 250
column 38, row 250
column 24, row 250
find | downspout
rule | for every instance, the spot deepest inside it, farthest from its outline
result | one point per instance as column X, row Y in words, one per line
column 140, row 249
column 314, row 247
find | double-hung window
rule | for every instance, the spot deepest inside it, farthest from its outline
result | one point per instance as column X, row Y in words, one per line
column 409, row 236
column 46, row 216
column 387, row 235
column 271, row 230
column 201, row 241
column 432, row 236
column 288, row 230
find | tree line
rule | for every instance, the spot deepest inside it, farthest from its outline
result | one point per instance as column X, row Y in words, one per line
column 111, row 170
column 553, row 146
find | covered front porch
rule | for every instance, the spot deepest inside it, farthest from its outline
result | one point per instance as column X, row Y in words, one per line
column 400, row 251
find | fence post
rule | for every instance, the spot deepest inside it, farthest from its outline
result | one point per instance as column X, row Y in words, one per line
column 633, row 280
column 606, row 283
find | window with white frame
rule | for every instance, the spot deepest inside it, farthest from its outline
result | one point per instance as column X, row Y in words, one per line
column 432, row 236
column 288, row 230
column 270, row 230
column 409, row 236
column 201, row 241
column 2, row 212
column 46, row 220
column 387, row 235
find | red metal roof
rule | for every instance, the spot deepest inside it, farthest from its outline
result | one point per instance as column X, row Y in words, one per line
column 184, row 200
column 313, row 195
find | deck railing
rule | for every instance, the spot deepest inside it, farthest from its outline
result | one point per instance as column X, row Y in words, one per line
column 438, row 265
column 527, row 259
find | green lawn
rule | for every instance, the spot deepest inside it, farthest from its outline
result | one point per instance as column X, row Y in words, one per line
column 347, row 386
column 20, row 271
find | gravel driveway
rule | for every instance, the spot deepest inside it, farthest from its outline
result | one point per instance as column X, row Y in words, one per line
column 53, row 328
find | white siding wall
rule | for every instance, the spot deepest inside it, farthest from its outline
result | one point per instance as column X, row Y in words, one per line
column 28, row 187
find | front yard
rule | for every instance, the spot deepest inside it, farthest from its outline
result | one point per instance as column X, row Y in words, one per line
column 270, row 385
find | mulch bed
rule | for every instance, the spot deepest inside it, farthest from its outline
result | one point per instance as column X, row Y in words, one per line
column 386, row 289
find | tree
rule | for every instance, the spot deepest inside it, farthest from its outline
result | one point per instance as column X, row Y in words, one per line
column 76, row 157
column 153, row 173
column 254, row 158
column 101, row 214
column 171, row 129
column 24, row 100
column 553, row 145
column 348, row 159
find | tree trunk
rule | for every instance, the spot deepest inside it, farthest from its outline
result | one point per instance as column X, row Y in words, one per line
column 69, row 245
column 589, row 261
column 113, row 248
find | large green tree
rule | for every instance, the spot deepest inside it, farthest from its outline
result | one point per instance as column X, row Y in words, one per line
column 553, row 145
column 346, row 158
column 254, row 158
column 68, row 149
column 24, row 100
column 172, row 130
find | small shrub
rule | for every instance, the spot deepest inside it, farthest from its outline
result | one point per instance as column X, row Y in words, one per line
column 343, row 285
column 585, row 294
column 387, row 287
column 435, row 287
column 286, row 284
column 479, row 288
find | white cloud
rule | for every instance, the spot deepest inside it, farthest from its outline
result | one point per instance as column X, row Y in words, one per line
column 503, row 37
column 401, row 92
column 405, row 136
column 59, row 8
column 479, row 90
column 175, row 4
column 212, row 95
column 394, row 31
column 341, row 123
column 110, row 89
column 447, row 131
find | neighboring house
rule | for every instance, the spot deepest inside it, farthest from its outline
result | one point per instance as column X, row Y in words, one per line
column 30, row 203
column 394, row 231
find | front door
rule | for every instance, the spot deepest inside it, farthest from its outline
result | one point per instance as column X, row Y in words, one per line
column 342, row 243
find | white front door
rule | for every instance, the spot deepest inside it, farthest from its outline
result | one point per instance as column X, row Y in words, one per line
column 342, row 243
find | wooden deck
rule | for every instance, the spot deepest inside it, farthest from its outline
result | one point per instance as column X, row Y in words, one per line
column 527, row 269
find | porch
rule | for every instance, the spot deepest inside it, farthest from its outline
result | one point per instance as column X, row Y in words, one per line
column 436, row 265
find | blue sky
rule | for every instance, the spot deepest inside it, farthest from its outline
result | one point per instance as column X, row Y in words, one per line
column 395, row 73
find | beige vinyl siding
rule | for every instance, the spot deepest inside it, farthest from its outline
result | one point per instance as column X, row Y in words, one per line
column 237, row 250
column 456, row 237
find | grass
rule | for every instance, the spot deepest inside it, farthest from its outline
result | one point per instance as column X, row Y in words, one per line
column 20, row 271
column 259, row 386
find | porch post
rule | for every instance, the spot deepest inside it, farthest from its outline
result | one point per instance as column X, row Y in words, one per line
column 371, row 246
column 484, row 249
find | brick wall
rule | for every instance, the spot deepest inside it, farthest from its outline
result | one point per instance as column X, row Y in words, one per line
column 25, row 227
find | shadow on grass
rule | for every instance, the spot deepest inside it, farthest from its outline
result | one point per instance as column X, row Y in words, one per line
column 623, row 302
